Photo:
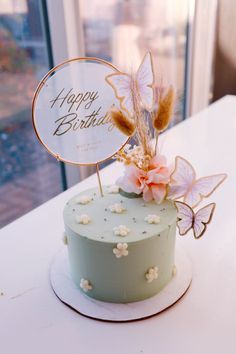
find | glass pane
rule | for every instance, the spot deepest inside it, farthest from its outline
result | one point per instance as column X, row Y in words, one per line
column 122, row 31
column 28, row 174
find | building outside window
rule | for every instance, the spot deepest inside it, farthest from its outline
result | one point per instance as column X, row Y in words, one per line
column 29, row 176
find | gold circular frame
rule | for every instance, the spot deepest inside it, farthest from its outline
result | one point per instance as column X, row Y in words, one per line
column 38, row 89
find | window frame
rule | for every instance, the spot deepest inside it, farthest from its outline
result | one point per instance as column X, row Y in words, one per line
column 202, row 24
column 66, row 33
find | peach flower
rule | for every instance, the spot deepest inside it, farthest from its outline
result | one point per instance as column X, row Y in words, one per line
column 152, row 183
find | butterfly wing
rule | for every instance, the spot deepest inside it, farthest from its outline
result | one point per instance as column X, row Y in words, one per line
column 181, row 179
column 145, row 81
column 121, row 84
column 203, row 188
column 202, row 218
column 185, row 217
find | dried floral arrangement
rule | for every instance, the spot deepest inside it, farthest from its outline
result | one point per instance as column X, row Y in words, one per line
column 143, row 117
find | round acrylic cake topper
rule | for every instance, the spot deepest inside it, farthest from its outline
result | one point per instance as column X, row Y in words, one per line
column 71, row 112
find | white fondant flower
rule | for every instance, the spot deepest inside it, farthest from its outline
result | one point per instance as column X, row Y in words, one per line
column 121, row 230
column 85, row 285
column 113, row 189
column 121, row 250
column 151, row 274
column 83, row 219
column 117, row 208
column 64, row 238
column 152, row 219
column 83, row 199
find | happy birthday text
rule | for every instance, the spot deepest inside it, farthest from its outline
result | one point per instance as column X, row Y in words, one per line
column 75, row 100
column 73, row 121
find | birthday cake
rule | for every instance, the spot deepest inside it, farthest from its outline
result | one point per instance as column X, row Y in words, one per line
column 120, row 238
column 122, row 244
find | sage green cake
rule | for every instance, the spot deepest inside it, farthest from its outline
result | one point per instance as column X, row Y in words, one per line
column 120, row 248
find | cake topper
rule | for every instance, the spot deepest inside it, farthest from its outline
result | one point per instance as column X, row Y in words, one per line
column 71, row 112
column 142, row 82
column 143, row 115
column 183, row 183
column 85, row 111
column 188, row 220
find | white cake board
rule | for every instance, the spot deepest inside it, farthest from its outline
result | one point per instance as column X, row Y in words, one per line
column 69, row 294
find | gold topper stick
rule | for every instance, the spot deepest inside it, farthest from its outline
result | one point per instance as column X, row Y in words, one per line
column 99, row 180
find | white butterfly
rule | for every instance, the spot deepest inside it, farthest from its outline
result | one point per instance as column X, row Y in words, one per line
column 124, row 85
column 183, row 183
column 187, row 219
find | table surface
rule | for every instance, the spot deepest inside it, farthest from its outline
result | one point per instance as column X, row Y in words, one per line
column 33, row 320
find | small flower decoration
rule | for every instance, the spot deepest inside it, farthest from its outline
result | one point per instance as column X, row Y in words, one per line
column 117, row 208
column 151, row 274
column 64, row 238
column 83, row 199
column 83, row 219
column 85, row 285
column 152, row 219
column 121, row 230
column 121, row 250
column 113, row 189
column 152, row 182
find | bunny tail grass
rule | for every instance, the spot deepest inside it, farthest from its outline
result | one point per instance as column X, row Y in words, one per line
column 125, row 124
column 165, row 110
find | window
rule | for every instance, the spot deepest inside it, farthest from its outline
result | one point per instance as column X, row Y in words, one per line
column 122, row 31
column 29, row 175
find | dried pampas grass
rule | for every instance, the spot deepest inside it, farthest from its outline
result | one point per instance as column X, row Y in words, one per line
column 165, row 109
column 125, row 124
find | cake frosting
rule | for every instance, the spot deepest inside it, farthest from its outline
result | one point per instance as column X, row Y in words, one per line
column 132, row 263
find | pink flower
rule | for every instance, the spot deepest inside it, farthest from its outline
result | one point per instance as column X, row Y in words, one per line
column 152, row 183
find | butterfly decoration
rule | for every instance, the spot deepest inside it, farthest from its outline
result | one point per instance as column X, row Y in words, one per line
column 134, row 93
column 198, row 221
column 125, row 85
column 183, row 183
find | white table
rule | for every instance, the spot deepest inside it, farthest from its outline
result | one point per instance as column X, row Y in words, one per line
column 34, row 321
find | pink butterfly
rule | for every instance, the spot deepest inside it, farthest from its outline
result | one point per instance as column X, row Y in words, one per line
column 187, row 219
column 124, row 86
column 183, row 183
